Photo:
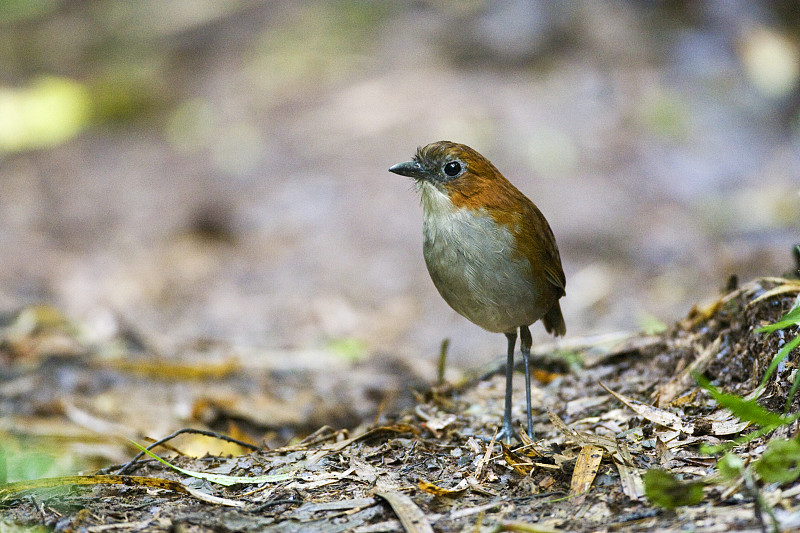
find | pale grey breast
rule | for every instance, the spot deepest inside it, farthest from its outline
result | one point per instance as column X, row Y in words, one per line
column 471, row 263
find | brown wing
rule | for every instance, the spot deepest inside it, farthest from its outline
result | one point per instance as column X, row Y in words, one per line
column 545, row 249
column 545, row 253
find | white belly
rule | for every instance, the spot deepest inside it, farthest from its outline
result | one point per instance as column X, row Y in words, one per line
column 472, row 262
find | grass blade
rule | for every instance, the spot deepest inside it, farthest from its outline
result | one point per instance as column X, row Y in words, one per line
column 747, row 410
column 219, row 479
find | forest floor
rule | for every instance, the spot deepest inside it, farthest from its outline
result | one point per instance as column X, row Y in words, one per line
column 606, row 412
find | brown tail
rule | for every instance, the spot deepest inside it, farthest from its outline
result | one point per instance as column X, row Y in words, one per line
column 554, row 321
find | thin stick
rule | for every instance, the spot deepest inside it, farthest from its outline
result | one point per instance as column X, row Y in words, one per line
column 442, row 361
column 129, row 466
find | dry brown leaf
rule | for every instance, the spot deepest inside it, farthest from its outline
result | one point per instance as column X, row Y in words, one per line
column 543, row 376
column 457, row 514
column 585, row 471
column 653, row 414
column 10, row 490
column 547, row 482
column 436, row 490
column 527, row 447
column 81, row 417
column 524, row 527
column 258, row 408
column 611, row 446
column 580, row 404
column 520, row 464
column 686, row 398
column 786, row 286
column 321, row 479
column 524, row 438
column 363, row 470
column 341, row 445
column 731, row 426
column 631, row 479
column 564, row 428
column 477, row 487
column 171, row 370
column 675, row 439
column 624, row 452
column 411, row 516
column 597, row 349
column 484, row 460
column 662, row 452
column 684, row 380
column 234, row 431
column 436, row 425
column 702, row 313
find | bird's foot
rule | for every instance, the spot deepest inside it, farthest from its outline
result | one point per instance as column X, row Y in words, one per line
column 506, row 434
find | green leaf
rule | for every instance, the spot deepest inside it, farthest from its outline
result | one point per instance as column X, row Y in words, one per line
column 730, row 466
column 650, row 325
column 792, row 318
column 747, row 410
column 349, row 348
column 792, row 392
column 780, row 462
column 50, row 111
column 665, row 490
column 782, row 354
column 705, row 449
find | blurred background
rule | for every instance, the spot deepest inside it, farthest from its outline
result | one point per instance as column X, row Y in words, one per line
column 217, row 170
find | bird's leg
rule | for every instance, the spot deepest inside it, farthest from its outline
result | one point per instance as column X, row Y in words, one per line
column 525, row 346
column 507, row 432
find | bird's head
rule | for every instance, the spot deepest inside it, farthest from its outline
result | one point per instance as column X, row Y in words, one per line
column 453, row 170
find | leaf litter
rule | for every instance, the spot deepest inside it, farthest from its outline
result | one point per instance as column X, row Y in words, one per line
column 633, row 421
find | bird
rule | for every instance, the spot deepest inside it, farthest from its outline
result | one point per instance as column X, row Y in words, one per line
column 489, row 251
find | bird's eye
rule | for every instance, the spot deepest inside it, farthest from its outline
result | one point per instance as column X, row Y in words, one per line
column 452, row 168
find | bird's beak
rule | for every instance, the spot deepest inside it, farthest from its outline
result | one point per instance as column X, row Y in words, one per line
column 411, row 169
